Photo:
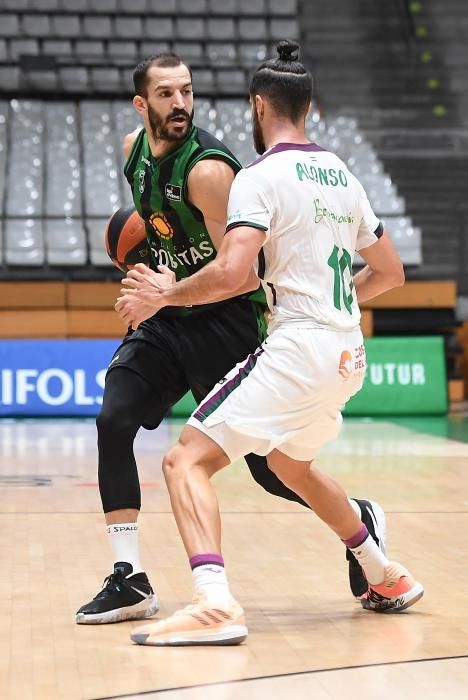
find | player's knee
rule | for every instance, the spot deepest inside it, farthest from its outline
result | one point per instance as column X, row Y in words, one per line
column 115, row 424
column 173, row 462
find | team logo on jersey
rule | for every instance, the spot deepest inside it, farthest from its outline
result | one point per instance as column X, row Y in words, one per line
column 346, row 364
column 141, row 181
column 173, row 192
column 161, row 225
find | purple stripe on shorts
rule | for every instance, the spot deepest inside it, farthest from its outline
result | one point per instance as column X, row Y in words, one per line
column 287, row 147
column 207, row 406
column 200, row 559
column 358, row 538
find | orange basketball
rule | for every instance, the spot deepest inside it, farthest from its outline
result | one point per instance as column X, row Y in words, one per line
column 126, row 241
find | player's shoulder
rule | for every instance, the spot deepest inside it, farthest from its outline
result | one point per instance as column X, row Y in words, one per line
column 129, row 141
column 209, row 142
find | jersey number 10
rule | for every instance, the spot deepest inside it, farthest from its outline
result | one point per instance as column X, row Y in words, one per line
column 340, row 261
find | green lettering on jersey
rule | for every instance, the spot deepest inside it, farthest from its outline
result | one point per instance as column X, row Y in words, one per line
column 301, row 172
column 328, row 177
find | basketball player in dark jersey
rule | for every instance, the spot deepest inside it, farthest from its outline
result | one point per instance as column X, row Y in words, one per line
column 180, row 177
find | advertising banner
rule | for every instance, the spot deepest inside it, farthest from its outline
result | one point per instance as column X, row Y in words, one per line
column 405, row 376
column 53, row 377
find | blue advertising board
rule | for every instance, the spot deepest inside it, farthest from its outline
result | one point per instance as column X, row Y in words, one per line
column 53, row 377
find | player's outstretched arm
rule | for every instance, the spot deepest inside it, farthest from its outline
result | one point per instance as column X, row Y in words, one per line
column 383, row 271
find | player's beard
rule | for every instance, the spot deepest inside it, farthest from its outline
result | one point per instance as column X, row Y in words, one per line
column 257, row 134
column 165, row 129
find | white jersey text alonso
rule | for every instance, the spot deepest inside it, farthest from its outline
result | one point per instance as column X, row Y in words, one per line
column 315, row 215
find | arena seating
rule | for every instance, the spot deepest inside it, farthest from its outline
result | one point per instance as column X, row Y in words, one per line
column 65, row 174
column 88, row 48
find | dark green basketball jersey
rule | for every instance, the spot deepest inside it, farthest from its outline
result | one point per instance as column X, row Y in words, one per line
column 176, row 229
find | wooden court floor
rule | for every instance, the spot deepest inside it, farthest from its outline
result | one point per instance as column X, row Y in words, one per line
column 308, row 638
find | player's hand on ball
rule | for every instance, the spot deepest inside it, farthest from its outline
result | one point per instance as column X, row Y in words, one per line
column 132, row 310
column 141, row 275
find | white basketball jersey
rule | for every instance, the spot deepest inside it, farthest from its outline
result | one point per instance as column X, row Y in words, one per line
column 315, row 215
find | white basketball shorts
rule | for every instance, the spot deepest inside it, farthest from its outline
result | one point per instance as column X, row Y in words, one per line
column 288, row 395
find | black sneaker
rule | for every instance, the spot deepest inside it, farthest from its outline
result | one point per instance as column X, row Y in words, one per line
column 123, row 597
column 373, row 518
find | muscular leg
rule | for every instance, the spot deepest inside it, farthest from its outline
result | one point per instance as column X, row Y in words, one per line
column 188, row 467
column 323, row 494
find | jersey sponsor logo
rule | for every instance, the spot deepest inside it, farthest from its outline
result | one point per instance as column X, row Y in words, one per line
column 187, row 258
column 174, row 192
column 322, row 176
column 322, row 212
column 145, row 160
column 161, row 225
column 346, row 364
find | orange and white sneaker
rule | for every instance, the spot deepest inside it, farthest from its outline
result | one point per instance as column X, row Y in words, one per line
column 200, row 623
column 398, row 591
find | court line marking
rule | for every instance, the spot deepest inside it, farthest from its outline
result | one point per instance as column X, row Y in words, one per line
column 284, row 675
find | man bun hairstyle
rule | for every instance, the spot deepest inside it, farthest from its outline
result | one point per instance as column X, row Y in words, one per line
column 284, row 81
column 288, row 50
column 160, row 60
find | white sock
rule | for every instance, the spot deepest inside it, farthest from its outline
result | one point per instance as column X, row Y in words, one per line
column 125, row 546
column 212, row 580
column 372, row 560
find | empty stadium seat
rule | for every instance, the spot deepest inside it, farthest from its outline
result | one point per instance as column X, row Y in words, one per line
column 284, row 29
column 65, row 242
column 101, row 176
column 89, row 51
column 73, row 78
column 25, row 163
column 231, row 82
column 162, row 7
column 253, row 29
column 128, row 27
column 67, row 26
column 283, row 7
column 226, row 7
column 252, row 7
column 97, row 27
column 9, row 26
column 221, row 29
column 192, row 7
column 10, row 78
column 36, row 25
column 3, row 146
column 222, row 54
column 57, row 47
column 45, row 5
column 21, row 47
column 24, row 242
column 123, row 52
column 63, row 182
column 148, row 48
column 190, row 51
column 251, row 54
column 96, row 231
column 74, row 5
column 160, row 29
column 133, row 6
column 104, row 79
column 191, row 29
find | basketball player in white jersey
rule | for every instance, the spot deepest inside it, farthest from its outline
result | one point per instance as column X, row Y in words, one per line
column 301, row 213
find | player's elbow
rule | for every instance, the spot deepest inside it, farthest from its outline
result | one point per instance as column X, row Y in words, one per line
column 398, row 276
column 232, row 278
